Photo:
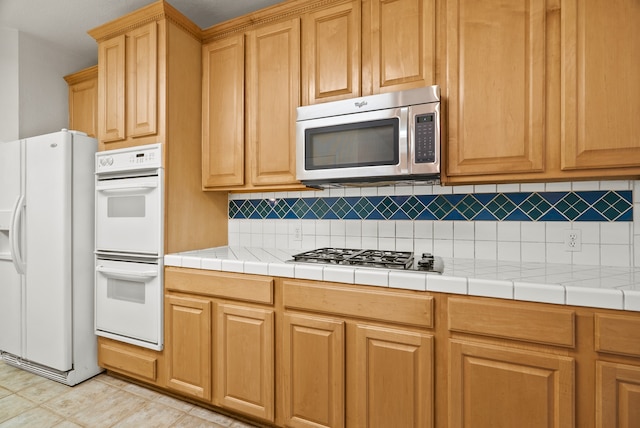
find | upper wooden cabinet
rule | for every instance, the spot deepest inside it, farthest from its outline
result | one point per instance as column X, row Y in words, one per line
column 135, row 53
column 127, row 86
column 600, row 61
column 398, row 45
column 223, row 112
column 331, row 53
column 525, row 86
column 370, row 47
column 251, row 88
column 83, row 100
column 496, row 76
column 273, row 93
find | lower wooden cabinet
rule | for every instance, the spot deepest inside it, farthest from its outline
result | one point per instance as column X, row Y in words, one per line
column 394, row 378
column 220, row 344
column 617, row 395
column 244, row 355
column 311, row 354
column 188, row 345
column 499, row 386
column 313, row 371
column 617, row 383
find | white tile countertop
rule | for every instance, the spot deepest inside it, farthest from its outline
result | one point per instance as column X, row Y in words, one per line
column 592, row 286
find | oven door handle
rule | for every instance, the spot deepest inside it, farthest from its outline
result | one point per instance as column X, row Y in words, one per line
column 126, row 187
column 126, row 274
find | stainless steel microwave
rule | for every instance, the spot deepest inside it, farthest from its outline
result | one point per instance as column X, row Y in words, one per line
column 377, row 139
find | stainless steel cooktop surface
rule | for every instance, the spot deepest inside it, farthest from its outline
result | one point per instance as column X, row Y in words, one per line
column 402, row 260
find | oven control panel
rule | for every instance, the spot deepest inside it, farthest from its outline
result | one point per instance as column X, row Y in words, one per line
column 129, row 159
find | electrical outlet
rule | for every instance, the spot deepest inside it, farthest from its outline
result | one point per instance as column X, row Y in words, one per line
column 572, row 240
column 297, row 234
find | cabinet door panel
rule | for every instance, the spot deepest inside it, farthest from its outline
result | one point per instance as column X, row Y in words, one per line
column 188, row 356
column 496, row 75
column 223, row 112
column 617, row 395
column 83, row 106
column 111, row 89
column 245, row 360
column 273, row 93
column 401, row 45
column 313, row 371
column 600, row 86
column 394, row 386
column 331, row 54
column 492, row 386
column 142, row 75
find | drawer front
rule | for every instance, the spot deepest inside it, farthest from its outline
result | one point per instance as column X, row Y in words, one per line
column 126, row 360
column 617, row 334
column 513, row 320
column 367, row 302
column 244, row 287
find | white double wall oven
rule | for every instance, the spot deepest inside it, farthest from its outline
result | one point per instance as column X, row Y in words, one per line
column 130, row 245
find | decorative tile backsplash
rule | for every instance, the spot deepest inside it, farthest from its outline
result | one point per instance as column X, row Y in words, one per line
column 597, row 205
column 525, row 222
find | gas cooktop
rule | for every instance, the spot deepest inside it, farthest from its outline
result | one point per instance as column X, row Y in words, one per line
column 402, row 260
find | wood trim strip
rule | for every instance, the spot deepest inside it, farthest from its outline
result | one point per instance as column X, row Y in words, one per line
column 277, row 12
column 369, row 303
column 513, row 320
column 138, row 18
column 140, row 366
column 618, row 334
column 244, row 287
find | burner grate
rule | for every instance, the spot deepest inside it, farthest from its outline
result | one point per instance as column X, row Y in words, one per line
column 356, row 257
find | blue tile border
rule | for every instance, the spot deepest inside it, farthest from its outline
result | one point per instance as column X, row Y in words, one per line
column 596, row 205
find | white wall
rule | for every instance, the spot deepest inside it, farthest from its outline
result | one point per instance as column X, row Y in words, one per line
column 34, row 93
column 9, row 80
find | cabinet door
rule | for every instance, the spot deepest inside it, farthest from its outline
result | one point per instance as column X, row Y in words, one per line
column 273, row 93
column 83, row 105
column 394, row 378
column 398, row 45
column 331, row 54
column 495, row 386
column 495, row 66
column 188, row 345
column 142, row 75
column 600, row 84
column 245, row 360
column 111, row 90
column 617, row 395
column 313, row 370
column 223, row 112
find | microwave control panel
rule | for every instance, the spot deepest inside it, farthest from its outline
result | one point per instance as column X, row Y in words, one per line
column 425, row 136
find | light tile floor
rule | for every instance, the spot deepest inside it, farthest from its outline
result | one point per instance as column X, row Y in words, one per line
column 28, row 400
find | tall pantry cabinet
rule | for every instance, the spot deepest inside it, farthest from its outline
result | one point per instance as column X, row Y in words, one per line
column 149, row 89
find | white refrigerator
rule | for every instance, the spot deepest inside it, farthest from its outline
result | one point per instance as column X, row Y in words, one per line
column 46, row 255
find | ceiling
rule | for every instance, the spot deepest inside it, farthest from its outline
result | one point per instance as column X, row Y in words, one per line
column 66, row 22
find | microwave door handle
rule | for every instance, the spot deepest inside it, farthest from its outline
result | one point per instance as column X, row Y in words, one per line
column 126, row 274
column 14, row 236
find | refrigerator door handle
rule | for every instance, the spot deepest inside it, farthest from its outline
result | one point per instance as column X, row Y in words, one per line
column 14, row 236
